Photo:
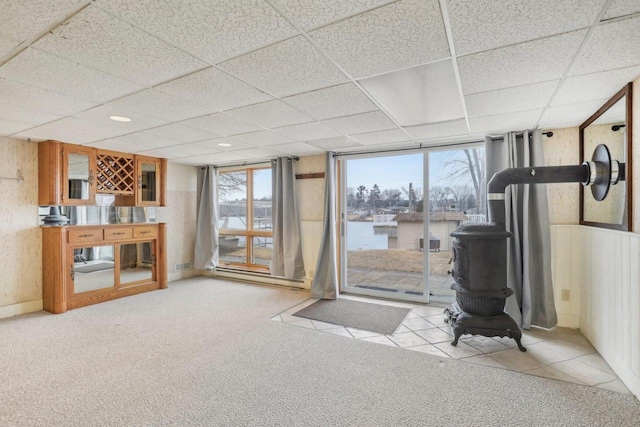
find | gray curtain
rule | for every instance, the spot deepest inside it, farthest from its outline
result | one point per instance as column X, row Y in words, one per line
column 527, row 218
column 206, row 248
column 286, row 257
column 325, row 282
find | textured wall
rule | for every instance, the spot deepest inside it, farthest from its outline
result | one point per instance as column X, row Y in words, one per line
column 180, row 216
column 20, row 237
column 562, row 149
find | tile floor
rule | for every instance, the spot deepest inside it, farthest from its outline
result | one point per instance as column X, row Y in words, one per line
column 562, row 354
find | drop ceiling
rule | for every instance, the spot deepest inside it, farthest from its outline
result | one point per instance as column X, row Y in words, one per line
column 267, row 78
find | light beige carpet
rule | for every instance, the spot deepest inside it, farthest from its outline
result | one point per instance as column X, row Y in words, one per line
column 203, row 352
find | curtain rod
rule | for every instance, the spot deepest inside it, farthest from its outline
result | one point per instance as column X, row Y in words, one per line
column 396, row 150
column 296, row 158
column 548, row 134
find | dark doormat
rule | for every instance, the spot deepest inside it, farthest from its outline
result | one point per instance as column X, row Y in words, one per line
column 383, row 319
column 90, row 268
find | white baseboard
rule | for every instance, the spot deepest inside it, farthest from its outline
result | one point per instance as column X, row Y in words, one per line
column 184, row 274
column 568, row 320
column 259, row 278
column 20, row 308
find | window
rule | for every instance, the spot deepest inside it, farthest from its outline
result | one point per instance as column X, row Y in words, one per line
column 246, row 230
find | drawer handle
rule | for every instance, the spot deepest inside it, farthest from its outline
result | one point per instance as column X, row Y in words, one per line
column 119, row 234
column 145, row 232
column 86, row 235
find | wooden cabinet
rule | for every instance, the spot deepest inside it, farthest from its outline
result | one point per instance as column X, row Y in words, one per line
column 84, row 265
column 71, row 175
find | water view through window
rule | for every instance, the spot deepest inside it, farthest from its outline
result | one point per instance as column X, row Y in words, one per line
column 385, row 208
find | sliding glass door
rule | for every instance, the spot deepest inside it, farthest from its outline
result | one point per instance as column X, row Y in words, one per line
column 392, row 229
column 382, row 221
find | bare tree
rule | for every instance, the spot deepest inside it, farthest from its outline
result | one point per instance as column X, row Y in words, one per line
column 462, row 195
column 438, row 196
column 374, row 195
column 232, row 183
column 470, row 166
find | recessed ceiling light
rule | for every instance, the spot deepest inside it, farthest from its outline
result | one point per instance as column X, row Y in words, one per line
column 120, row 118
column 224, row 144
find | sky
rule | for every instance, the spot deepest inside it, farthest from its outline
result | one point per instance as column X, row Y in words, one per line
column 388, row 171
column 395, row 172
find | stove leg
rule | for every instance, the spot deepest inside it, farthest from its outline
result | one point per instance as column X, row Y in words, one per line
column 457, row 332
column 517, row 335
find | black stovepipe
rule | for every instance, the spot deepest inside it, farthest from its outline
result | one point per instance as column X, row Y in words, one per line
column 532, row 175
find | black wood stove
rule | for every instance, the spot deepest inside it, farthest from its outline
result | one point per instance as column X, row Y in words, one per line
column 480, row 250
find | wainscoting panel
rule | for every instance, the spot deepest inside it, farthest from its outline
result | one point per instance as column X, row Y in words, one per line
column 601, row 269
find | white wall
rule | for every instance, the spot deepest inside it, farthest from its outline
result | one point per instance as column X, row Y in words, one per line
column 599, row 267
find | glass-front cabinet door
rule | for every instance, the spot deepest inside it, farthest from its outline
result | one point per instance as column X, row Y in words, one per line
column 137, row 263
column 78, row 166
column 93, row 268
column 149, row 172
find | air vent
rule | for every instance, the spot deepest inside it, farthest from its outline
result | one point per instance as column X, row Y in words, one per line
column 183, row 266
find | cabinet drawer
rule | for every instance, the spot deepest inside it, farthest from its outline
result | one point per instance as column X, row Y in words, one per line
column 117, row 233
column 151, row 232
column 81, row 236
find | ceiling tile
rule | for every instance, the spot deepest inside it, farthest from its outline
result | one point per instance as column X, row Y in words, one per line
column 613, row 45
column 22, row 19
column 256, row 153
column 505, row 122
column 286, row 68
column 337, row 143
column 6, row 45
column 594, row 86
column 263, row 138
column 212, row 30
column 28, row 116
column 526, row 63
column 521, row 98
column 622, row 8
column 100, row 115
column 40, row 69
column 135, row 143
column 308, row 131
column 479, row 25
column 270, row 114
column 336, row 101
column 569, row 115
column 178, row 151
column 221, row 124
column 392, row 37
column 8, row 127
column 424, row 94
column 180, row 133
column 234, row 144
column 160, row 105
column 215, row 89
column 74, row 131
column 40, row 99
column 98, row 40
column 438, row 130
column 360, row 123
column 197, row 160
column 296, row 149
column 221, row 158
column 312, row 13
column 383, row 137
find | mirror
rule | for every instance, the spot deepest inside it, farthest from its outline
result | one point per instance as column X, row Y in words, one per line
column 78, row 167
column 148, row 178
column 611, row 126
column 93, row 268
column 136, row 263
